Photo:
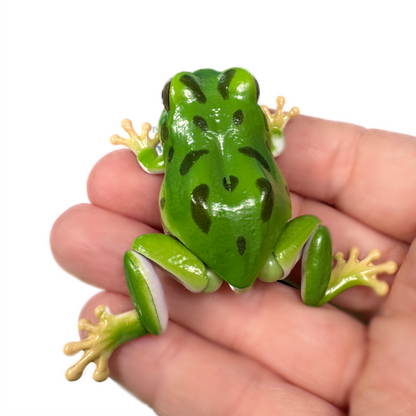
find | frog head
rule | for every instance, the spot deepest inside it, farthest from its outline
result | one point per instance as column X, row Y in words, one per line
column 205, row 85
column 203, row 98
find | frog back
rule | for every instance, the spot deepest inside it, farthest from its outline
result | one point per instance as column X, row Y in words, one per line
column 223, row 195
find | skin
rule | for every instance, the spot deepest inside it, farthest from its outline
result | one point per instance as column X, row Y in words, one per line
column 310, row 361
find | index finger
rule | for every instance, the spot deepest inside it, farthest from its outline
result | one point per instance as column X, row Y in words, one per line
column 402, row 298
column 368, row 174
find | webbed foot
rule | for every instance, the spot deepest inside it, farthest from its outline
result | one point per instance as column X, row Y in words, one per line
column 103, row 339
column 135, row 142
column 353, row 272
column 149, row 152
column 277, row 122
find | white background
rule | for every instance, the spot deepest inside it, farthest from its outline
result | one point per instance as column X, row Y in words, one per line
column 72, row 70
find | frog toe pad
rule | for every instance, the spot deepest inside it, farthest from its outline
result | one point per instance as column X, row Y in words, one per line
column 354, row 272
column 97, row 346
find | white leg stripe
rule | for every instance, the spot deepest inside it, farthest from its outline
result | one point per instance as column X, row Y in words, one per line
column 156, row 289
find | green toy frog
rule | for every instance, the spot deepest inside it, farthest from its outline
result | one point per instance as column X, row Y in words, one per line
column 225, row 208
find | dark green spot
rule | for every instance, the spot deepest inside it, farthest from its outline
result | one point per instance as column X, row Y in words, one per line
column 164, row 133
column 232, row 185
column 224, row 83
column 165, row 95
column 190, row 83
column 200, row 123
column 199, row 208
column 250, row 152
column 268, row 146
column 170, row 154
column 238, row 117
column 287, row 189
column 162, row 203
column 257, row 88
column 267, row 198
column 241, row 245
column 266, row 124
column 190, row 159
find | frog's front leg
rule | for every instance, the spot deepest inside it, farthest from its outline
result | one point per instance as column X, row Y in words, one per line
column 276, row 123
column 148, row 151
column 307, row 237
column 146, row 291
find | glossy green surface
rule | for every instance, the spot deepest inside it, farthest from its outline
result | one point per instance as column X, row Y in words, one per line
column 316, row 266
column 139, row 285
column 173, row 257
column 292, row 241
column 223, row 195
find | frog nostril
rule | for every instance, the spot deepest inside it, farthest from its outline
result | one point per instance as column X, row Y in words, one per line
column 232, row 185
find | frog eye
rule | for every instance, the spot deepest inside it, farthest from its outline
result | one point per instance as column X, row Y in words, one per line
column 257, row 88
column 165, row 95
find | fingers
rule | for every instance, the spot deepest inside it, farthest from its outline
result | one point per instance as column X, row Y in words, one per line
column 180, row 373
column 119, row 184
column 319, row 349
column 387, row 385
column 90, row 242
column 368, row 174
column 347, row 232
column 402, row 298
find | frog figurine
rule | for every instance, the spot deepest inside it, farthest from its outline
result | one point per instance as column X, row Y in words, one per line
column 225, row 208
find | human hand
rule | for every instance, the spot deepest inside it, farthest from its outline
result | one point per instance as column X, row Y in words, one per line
column 265, row 352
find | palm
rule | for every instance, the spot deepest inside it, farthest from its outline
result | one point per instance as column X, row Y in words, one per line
column 264, row 351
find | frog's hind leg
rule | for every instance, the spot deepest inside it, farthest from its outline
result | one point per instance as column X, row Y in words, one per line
column 146, row 291
column 305, row 236
column 111, row 332
column 353, row 272
column 144, row 286
column 321, row 283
